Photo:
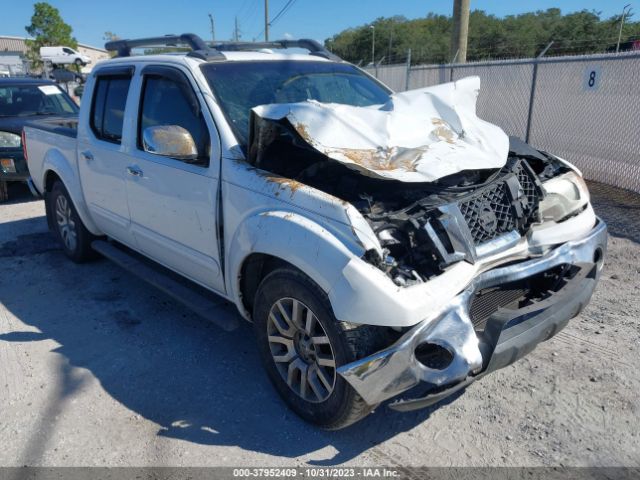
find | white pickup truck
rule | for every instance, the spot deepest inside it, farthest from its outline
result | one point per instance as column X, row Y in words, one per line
column 384, row 245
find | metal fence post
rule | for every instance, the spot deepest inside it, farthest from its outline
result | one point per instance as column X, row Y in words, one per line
column 534, row 78
column 406, row 77
column 455, row 57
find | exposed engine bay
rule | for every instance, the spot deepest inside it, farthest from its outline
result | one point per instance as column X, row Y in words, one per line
column 416, row 223
column 422, row 226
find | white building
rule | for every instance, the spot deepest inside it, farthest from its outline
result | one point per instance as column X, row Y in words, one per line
column 13, row 55
column 13, row 52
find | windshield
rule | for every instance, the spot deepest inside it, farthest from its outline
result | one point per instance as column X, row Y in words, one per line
column 27, row 100
column 240, row 86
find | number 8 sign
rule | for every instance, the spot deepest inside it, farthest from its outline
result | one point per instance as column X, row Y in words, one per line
column 591, row 78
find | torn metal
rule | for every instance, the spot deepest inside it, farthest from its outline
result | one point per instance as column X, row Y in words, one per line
column 417, row 136
column 435, row 184
column 479, row 330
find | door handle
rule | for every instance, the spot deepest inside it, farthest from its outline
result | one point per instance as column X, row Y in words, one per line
column 87, row 155
column 134, row 171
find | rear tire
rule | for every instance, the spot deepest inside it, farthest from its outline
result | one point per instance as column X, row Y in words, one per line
column 293, row 352
column 67, row 226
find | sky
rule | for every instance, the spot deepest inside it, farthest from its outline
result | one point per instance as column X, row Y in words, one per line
column 304, row 19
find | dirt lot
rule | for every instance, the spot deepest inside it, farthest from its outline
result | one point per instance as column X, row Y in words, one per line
column 99, row 369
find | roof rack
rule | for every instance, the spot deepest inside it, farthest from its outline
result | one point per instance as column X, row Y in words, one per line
column 314, row 47
column 200, row 49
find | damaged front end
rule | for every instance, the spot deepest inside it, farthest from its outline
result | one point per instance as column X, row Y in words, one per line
column 487, row 245
column 424, row 203
column 500, row 317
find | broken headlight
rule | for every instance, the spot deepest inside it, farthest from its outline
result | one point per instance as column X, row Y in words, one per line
column 565, row 195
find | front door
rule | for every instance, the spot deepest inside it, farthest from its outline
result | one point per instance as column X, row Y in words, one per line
column 173, row 203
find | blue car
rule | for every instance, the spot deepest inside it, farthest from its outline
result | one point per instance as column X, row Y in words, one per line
column 22, row 100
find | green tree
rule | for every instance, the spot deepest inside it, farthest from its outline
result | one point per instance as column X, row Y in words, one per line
column 513, row 36
column 47, row 28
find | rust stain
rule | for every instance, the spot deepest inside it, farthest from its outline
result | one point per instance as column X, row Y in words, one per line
column 303, row 131
column 442, row 131
column 388, row 159
column 381, row 159
column 281, row 182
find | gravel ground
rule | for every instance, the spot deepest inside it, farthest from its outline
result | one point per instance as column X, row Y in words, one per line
column 99, row 369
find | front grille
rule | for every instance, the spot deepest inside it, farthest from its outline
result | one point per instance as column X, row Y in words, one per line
column 489, row 214
column 493, row 211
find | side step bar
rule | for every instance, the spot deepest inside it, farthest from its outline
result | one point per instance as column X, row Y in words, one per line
column 206, row 304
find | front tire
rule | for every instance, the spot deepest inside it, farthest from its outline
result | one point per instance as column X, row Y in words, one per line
column 302, row 344
column 67, row 225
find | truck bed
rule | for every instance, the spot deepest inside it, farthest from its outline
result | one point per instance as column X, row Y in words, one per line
column 49, row 139
column 61, row 125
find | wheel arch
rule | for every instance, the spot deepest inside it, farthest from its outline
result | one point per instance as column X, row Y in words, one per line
column 56, row 167
column 274, row 239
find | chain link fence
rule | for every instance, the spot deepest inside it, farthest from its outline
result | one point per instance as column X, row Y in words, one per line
column 582, row 108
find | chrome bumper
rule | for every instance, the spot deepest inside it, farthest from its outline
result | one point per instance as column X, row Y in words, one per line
column 396, row 369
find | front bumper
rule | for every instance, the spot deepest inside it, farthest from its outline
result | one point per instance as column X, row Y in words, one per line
column 507, row 335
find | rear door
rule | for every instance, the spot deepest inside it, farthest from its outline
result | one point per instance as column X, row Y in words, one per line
column 102, row 152
column 173, row 203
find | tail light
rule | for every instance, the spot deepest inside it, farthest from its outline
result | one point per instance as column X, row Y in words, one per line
column 24, row 145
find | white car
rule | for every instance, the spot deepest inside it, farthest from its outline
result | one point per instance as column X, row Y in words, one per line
column 384, row 245
column 63, row 56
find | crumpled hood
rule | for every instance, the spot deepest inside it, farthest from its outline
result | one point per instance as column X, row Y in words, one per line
column 417, row 136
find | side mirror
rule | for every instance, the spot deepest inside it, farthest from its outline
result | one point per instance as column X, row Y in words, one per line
column 169, row 141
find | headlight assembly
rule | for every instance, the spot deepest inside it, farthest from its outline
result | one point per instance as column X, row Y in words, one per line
column 566, row 194
column 9, row 140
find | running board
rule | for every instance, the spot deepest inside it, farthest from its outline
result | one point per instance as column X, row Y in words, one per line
column 206, row 304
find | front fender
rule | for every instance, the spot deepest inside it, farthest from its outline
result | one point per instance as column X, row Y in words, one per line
column 56, row 162
column 290, row 237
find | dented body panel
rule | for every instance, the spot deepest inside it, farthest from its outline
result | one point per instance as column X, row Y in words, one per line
column 417, row 136
column 413, row 215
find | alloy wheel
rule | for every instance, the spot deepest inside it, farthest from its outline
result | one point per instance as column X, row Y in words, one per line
column 66, row 225
column 301, row 350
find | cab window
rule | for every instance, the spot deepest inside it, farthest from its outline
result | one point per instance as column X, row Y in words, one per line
column 107, row 111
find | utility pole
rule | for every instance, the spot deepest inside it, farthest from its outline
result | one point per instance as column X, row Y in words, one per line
column 266, row 20
column 236, row 31
column 213, row 29
column 460, row 32
column 624, row 14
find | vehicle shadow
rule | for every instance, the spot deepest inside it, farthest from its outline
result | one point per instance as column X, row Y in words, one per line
column 199, row 383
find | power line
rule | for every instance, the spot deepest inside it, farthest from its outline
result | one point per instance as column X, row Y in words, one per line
column 278, row 15
column 248, row 16
column 284, row 9
column 242, row 7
